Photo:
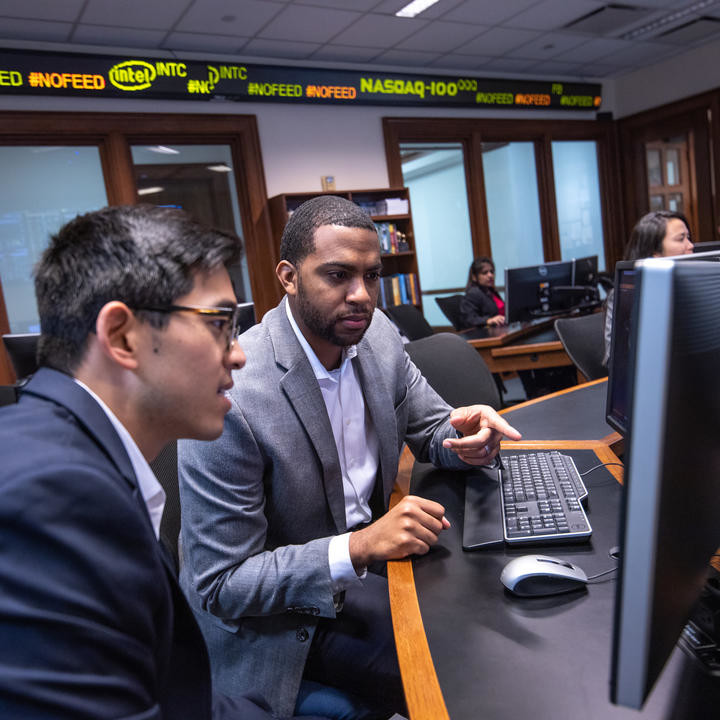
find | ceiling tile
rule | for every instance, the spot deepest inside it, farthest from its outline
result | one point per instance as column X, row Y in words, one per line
column 345, row 53
column 505, row 64
column 199, row 42
column 134, row 13
column 692, row 32
column 404, row 57
column 41, row 9
column 487, row 12
column 547, row 46
column 460, row 61
column 379, row 31
column 357, row 5
column 551, row 14
column 118, row 37
column 279, row 48
column 241, row 17
column 441, row 37
column 554, row 67
column 594, row 49
column 309, row 24
column 597, row 70
column 13, row 29
column 498, row 41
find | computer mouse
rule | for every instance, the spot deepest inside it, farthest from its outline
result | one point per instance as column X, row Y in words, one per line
column 537, row 575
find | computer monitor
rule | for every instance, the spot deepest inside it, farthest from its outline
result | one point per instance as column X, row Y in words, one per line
column 528, row 290
column 703, row 247
column 670, row 518
column 617, row 388
column 585, row 271
column 22, row 349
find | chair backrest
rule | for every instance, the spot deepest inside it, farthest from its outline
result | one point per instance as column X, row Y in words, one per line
column 8, row 395
column 166, row 471
column 455, row 370
column 582, row 338
column 22, row 348
column 410, row 321
column 450, row 306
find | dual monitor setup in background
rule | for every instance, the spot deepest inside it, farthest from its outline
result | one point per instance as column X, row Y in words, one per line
column 552, row 288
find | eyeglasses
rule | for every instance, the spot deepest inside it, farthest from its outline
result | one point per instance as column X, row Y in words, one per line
column 238, row 318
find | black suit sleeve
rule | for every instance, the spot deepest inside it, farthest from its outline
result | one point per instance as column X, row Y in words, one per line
column 83, row 606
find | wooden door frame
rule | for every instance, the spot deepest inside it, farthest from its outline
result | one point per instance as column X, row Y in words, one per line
column 114, row 134
column 472, row 132
column 699, row 118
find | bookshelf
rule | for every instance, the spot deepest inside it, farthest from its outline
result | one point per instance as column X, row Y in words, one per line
column 390, row 210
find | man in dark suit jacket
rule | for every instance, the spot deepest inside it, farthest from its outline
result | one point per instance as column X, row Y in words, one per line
column 138, row 321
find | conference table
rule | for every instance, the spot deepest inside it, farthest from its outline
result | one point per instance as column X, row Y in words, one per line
column 470, row 650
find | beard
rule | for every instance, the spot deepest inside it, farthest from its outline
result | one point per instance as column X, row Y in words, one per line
column 326, row 327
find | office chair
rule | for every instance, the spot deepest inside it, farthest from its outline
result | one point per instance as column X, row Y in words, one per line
column 455, row 370
column 165, row 468
column 582, row 338
column 450, row 307
column 410, row 321
column 22, row 350
column 8, row 395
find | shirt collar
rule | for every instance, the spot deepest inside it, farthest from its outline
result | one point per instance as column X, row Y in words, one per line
column 152, row 493
column 320, row 371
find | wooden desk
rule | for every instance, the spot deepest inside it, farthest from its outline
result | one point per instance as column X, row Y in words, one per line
column 469, row 650
column 519, row 346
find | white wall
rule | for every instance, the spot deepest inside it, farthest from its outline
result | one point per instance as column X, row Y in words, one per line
column 690, row 73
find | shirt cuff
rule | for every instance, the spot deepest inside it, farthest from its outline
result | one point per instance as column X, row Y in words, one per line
column 342, row 572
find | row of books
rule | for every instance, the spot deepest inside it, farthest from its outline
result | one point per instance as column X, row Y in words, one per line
column 400, row 289
column 392, row 240
column 387, row 206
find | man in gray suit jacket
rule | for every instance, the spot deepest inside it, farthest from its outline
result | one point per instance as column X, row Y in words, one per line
column 285, row 513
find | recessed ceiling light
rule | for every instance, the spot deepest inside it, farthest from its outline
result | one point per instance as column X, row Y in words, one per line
column 150, row 190
column 220, row 168
column 672, row 17
column 415, row 8
column 163, row 150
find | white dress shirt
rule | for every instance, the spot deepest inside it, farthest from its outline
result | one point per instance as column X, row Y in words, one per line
column 152, row 493
column 357, row 446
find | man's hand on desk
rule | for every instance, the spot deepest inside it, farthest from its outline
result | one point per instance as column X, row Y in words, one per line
column 409, row 528
column 482, row 430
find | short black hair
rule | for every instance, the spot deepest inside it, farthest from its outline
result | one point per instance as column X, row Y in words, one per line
column 298, row 238
column 142, row 255
column 647, row 236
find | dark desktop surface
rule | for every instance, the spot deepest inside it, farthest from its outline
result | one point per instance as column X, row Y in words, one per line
column 575, row 415
column 500, row 656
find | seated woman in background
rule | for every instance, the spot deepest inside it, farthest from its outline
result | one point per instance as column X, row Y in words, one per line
column 662, row 233
column 482, row 305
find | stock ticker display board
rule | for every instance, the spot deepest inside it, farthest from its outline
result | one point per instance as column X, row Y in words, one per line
column 40, row 73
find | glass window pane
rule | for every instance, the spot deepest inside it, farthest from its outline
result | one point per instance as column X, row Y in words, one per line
column 513, row 207
column 199, row 179
column 577, row 195
column 672, row 166
column 43, row 187
column 657, row 202
column 675, row 202
column 435, row 176
column 654, row 168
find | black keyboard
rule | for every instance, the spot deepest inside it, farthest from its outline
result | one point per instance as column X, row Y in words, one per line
column 541, row 497
column 534, row 499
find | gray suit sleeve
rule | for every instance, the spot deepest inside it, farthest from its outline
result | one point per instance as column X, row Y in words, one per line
column 227, row 567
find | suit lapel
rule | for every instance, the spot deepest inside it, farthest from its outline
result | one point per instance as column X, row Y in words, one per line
column 380, row 405
column 303, row 392
column 63, row 390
